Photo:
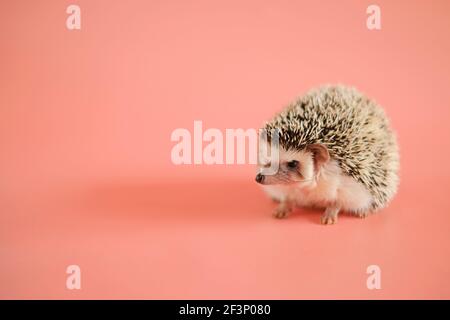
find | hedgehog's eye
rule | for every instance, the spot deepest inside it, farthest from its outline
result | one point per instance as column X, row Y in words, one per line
column 292, row 164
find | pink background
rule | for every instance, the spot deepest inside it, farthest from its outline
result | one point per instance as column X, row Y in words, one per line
column 85, row 170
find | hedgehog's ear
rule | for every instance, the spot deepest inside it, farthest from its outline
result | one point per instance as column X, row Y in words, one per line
column 320, row 154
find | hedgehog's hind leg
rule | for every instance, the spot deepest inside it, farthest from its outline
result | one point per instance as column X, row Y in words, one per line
column 330, row 216
column 362, row 213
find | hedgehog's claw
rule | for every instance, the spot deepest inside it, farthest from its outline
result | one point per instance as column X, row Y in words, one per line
column 328, row 219
column 362, row 215
column 282, row 211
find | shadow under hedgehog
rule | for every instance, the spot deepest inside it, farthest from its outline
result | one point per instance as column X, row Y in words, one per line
column 336, row 151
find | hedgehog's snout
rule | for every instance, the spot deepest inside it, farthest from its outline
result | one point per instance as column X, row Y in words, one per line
column 259, row 178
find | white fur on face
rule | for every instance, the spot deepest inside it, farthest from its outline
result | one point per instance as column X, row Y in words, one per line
column 309, row 188
column 330, row 186
column 284, row 175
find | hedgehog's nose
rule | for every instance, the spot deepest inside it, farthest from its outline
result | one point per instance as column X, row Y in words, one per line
column 259, row 178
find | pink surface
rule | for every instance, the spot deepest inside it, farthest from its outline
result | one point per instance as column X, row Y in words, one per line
column 86, row 176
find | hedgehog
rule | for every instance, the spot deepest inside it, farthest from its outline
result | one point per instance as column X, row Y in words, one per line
column 336, row 152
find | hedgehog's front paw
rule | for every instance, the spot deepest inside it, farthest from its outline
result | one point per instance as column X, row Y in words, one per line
column 328, row 219
column 330, row 216
column 282, row 211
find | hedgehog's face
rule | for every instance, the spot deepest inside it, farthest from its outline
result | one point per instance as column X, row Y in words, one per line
column 294, row 167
